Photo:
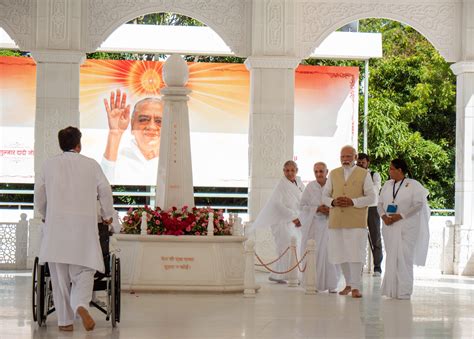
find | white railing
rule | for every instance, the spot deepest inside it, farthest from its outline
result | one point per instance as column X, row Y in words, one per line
column 443, row 252
column 150, row 195
column 14, row 244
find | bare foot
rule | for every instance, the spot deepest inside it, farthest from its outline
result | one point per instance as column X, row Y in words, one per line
column 356, row 293
column 87, row 320
column 67, row 328
column 345, row 291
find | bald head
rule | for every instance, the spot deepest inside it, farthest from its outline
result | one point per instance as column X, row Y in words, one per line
column 348, row 156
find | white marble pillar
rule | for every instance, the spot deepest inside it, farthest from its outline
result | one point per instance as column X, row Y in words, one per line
column 464, row 193
column 271, row 134
column 175, row 177
column 271, row 130
column 57, row 106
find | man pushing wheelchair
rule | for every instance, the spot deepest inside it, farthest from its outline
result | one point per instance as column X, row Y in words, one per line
column 65, row 196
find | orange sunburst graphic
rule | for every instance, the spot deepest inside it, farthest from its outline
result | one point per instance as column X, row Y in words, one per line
column 144, row 78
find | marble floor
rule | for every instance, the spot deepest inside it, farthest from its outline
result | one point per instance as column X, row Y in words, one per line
column 441, row 307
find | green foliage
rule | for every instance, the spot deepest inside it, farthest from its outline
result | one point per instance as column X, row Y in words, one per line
column 168, row 19
column 412, row 94
column 113, row 56
column 412, row 109
column 11, row 52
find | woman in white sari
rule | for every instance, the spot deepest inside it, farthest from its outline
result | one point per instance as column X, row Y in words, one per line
column 404, row 210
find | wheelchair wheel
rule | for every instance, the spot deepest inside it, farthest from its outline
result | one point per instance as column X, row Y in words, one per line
column 34, row 289
column 115, row 290
column 39, row 293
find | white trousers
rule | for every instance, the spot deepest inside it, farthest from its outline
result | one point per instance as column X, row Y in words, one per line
column 352, row 273
column 72, row 288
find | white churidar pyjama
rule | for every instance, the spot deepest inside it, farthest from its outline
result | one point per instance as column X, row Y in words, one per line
column 352, row 274
column 72, row 288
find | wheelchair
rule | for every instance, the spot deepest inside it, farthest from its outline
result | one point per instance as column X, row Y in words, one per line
column 109, row 281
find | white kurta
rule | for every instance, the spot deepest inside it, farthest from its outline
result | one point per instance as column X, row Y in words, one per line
column 348, row 245
column 406, row 241
column 278, row 213
column 66, row 196
column 131, row 167
column 314, row 226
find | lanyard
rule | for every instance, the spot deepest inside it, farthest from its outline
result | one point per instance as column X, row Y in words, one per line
column 395, row 193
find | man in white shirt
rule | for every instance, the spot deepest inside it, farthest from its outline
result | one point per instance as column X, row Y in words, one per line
column 281, row 214
column 373, row 220
column 136, row 162
column 66, row 196
column 349, row 191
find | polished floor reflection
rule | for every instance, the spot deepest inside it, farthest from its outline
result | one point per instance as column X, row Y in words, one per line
column 441, row 307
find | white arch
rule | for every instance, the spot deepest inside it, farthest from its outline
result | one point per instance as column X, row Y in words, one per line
column 438, row 23
column 17, row 19
column 225, row 17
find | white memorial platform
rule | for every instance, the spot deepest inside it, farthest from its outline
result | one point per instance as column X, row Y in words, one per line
column 181, row 263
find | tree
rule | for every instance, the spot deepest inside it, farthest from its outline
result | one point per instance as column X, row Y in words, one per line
column 411, row 108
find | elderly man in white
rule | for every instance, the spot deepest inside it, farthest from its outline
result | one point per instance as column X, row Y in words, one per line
column 132, row 161
column 66, row 193
column 281, row 214
column 314, row 225
column 349, row 190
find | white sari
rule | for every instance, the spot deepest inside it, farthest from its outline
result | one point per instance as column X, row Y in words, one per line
column 406, row 241
column 315, row 226
column 278, row 214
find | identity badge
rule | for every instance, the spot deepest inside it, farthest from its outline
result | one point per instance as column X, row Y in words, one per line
column 392, row 208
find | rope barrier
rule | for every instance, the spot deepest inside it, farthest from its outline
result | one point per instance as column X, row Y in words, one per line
column 299, row 261
column 284, row 272
column 274, row 261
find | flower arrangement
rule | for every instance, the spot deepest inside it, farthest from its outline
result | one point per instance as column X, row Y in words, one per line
column 175, row 221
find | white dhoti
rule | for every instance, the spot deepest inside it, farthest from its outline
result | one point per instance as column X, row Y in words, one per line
column 348, row 247
column 72, row 288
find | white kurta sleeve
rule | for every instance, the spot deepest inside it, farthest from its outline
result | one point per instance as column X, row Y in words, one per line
column 40, row 195
column 380, row 208
column 419, row 200
column 369, row 196
column 327, row 193
column 307, row 203
column 104, row 192
column 377, row 180
column 307, row 206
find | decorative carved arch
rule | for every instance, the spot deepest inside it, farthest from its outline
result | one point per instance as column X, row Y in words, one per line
column 17, row 20
column 226, row 17
column 438, row 22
